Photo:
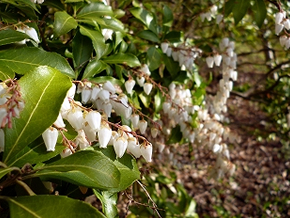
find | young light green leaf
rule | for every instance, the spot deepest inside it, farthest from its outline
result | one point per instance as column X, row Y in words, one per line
column 109, row 202
column 63, row 23
column 260, row 12
column 11, row 36
column 93, row 68
column 47, row 206
column 123, row 58
column 95, row 9
column 43, row 91
column 240, row 10
column 153, row 58
column 86, row 168
column 97, row 39
column 23, row 60
column 82, row 49
column 148, row 35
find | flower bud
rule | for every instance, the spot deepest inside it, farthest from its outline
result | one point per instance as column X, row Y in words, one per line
column 50, row 138
column 146, row 151
column 147, row 88
column 120, row 146
column 104, row 135
column 129, row 85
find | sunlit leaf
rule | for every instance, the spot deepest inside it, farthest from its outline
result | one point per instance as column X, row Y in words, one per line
column 47, row 206
column 24, row 60
column 43, row 91
column 95, row 9
column 123, row 58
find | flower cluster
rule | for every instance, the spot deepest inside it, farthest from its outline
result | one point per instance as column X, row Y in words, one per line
column 282, row 22
column 182, row 54
column 211, row 13
column 93, row 125
column 37, row 1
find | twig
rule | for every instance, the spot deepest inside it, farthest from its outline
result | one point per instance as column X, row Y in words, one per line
column 26, row 187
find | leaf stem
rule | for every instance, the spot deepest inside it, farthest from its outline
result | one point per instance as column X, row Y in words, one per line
column 26, row 187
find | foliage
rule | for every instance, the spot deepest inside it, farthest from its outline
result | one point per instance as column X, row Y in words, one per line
column 83, row 82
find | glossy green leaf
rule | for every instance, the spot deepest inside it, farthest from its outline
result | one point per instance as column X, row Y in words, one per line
column 122, row 58
column 145, row 99
column 175, row 135
column 43, row 91
column 229, row 7
column 86, row 168
column 174, row 36
column 97, row 39
column 260, row 12
column 21, row 3
column 11, row 36
column 24, row 60
column 47, row 206
column 63, row 23
column 6, row 73
column 4, row 171
column 93, row 68
column 103, row 79
column 171, row 65
column 158, row 101
column 82, row 49
column 54, row 4
column 148, row 35
column 145, row 17
column 154, row 58
column 35, row 153
column 109, row 202
column 240, row 10
column 129, row 171
column 111, row 23
column 167, row 16
column 95, row 9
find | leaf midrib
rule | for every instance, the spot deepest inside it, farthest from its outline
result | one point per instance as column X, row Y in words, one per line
column 25, row 208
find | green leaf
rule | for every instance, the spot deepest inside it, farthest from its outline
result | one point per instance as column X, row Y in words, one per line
column 24, row 60
column 94, row 10
column 103, row 79
column 111, row 23
column 43, row 91
column 85, row 168
column 47, row 206
column 260, row 12
column 6, row 73
column 174, row 36
column 93, row 68
column 97, row 39
column 167, row 16
column 153, row 58
column 229, row 7
column 63, row 23
column 148, row 35
column 171, row 65
column 240, row 10
column 54, row 4
column 146, row 18
column 11, row 36
column 129, row 171
column 175, row 135
column 81, row 49
column 145, row 99
column 4, row 171
column 35, row 153
column 122, row 58
column 22, row 3
column 158, row 101
column 109, row 202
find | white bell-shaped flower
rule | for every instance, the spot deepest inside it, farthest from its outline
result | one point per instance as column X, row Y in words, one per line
column 65, row 153
column 134, row 147
column 209, row 61
column 86, row 95
column 219, row 18
column 95, row 93
column 283, row 40
column 94, row 119
column 50, row 138
column 145, row 69
column 90, row 133
column 217, row 59
column 110, row 87
column 164, row 46
column 104, row 135
column 81, row 140
column 278, row 28
column 142, row 126
column 286, row 24
column 120, row 146
column 104, row 95
column 59, row 121
column 147, row 88
column 146, row 151
column 71, row 92
column 75, row 118
column 166, row 107
column 129, row 85
column 135, row 120
column 279, row 17
column 141, row 81
column 114, row 136
column 3, row 115
column 154, row 132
